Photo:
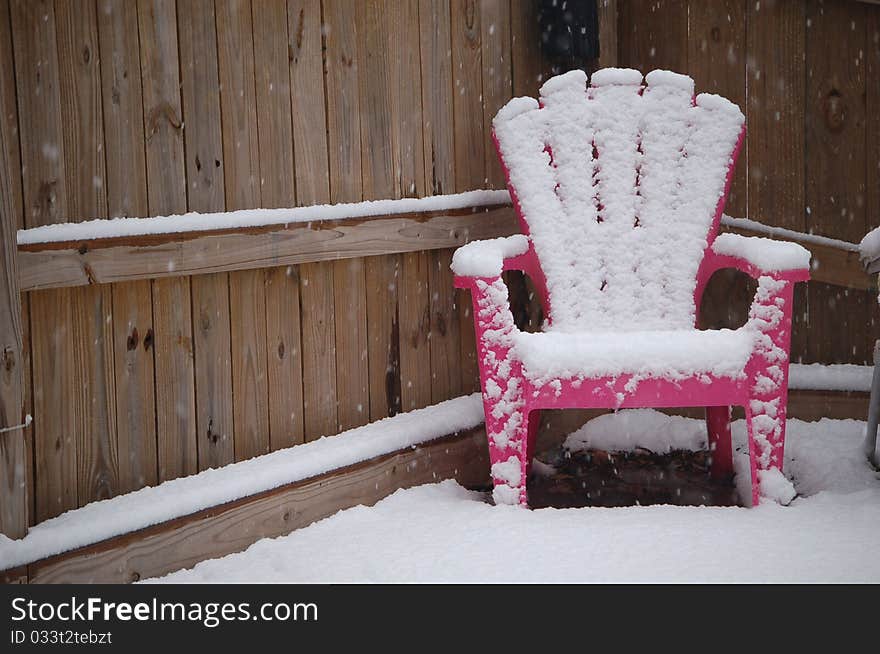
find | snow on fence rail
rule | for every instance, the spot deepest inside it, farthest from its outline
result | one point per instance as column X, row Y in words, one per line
column 125, row 249
column 213, row 487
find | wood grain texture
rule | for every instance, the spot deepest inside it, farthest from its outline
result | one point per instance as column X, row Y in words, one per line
column 90, row 389
column 126, row 189
column 284, row 357
column 352, row 374
column 437, row 90
column 39, row 110
column 608, row 27
column 9, row 116
column 497, row 78
column 653, row 35
column 124, row 142
column 235, row 54
column 383, row 288
column 56, row 440
column 307, row 99
column 469, row 147
column 92, row 385
column 318, row 350
column 250, row 384
column 206, row 192
column 78, row 264
column 467, row 75
column 232, row 527
column 341, row 38
column 14, row 466
column 445, row 341
column 212, row 338
column 166, row 179
column 81, row 108
column 272, row 85
column 835, row 175
column 717, row 62
column 135, row 383
column 415, row 331
column 525, row 37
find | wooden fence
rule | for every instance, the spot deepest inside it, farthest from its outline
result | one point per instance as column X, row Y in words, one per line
column 155, row 107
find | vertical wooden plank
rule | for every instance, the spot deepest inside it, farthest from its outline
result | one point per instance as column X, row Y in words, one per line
column 238, row 101
column 318, row 184
column 467, row 93
column 872, row 158
column 341, row 36
column 383, row 281
column 210, row 293
column 272, row 85
column 527, row 60
column 415, row 330
column 775, row 113
column 126, row 188
column 44, row 198
column 374, row 78
column 469, row 148
column 775, row 50
column 439, row 153
column 9, row 115
column 135, row 383
column 92, row 393
column 717, row 62
column 407, row 138
column 56, row 442
column 436, row 62
column 124, row 147
column 14, row 467
column 277, row 189
column 309, row 107
column 497, row 78
column 12, row 194
column 39, row 109
column 80, row 85
column 235, row 54
column 608, row 26
column 653, row 34
column 80, row 93
column 214, row 446
column 175, row 396
column 319, row 350
column 445, row 329
column 835, row 169
column 350, row 313
column 249, row 381
column 200, row 85
column 284, row 357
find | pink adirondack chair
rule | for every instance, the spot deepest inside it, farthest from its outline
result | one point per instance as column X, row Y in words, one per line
column 619, row 188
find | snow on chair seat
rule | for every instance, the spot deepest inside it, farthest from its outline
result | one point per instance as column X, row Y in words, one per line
column 619, row 187
column 671, row 355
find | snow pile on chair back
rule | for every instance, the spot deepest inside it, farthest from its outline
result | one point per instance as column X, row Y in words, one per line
column 620, row 185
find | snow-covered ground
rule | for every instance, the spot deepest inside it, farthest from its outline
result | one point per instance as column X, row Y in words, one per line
column 444, row 533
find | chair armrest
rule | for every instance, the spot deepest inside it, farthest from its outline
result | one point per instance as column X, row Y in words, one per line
column 758, row 256
column 488, row 258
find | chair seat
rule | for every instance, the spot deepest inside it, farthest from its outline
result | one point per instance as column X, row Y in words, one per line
column 672, row 355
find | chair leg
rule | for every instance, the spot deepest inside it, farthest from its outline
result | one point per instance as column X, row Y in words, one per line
column 765, row 421
column 508, row 434
column 720, row 445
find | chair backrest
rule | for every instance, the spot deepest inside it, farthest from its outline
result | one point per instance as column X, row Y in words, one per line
column 620, row 186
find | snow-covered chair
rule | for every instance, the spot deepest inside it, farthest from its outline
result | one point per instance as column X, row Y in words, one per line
column 619, row 188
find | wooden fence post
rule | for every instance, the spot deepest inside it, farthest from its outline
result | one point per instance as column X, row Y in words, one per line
column 13, row 486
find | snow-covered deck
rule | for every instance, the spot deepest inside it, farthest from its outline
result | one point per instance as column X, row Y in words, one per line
column 444, row 533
